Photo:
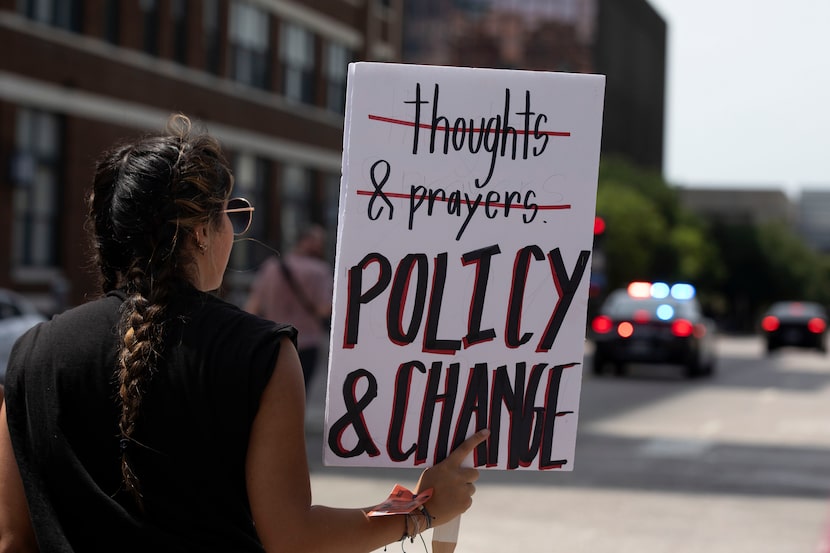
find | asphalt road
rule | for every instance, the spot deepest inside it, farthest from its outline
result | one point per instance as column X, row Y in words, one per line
column 736, row 463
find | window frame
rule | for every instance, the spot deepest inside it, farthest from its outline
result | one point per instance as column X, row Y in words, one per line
column 36, row 197
column 336, row 69
column 249, row 44
column 298, row 55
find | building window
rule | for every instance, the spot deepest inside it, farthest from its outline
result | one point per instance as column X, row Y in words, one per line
column 36, row 195
column 150, row 19
column 112, row 21
column 297, row 56
column 337, row 68
column 295, row 202
column 64, row 14
column 178, row 13
column 210, row 24
column 249, row 37
column 251, row 176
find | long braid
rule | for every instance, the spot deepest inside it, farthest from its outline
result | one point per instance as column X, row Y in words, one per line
column 142, row 330
column 135, row 356
column 146, row 196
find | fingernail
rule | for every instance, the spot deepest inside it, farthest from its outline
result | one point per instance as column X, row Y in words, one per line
column 484, row 432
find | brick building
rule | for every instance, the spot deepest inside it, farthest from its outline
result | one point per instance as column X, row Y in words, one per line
column 267, row 77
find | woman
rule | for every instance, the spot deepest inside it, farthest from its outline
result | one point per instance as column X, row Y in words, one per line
column 159, row 417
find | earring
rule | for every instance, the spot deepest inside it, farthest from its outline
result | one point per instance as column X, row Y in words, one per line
column 202, row 248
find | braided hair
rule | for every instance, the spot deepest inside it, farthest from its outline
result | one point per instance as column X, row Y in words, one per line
column 146, row 200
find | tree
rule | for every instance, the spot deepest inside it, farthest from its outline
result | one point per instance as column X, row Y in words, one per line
column 648, row 236
column 766, row 263
column 738, row 269
column 634, row 229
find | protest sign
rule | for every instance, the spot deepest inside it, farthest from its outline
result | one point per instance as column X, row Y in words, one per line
column 464, row 239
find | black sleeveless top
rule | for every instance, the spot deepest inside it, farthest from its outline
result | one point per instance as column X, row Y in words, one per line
column 191, row 438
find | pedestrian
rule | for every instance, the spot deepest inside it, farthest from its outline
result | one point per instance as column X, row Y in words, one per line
column 159, row 417
column 297, row 288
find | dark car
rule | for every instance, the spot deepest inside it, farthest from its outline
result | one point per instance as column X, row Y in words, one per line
column 653, row 323
column 801, row 324
column 17, row 315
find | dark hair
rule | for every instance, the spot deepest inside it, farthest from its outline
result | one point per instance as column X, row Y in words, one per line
column 147, row 197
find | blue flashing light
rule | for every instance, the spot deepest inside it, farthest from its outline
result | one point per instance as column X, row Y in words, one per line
column 682, row 291
column 665, row 312
column 660, row 290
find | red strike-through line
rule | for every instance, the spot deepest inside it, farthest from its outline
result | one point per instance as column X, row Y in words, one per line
column 442, row 128
column 423, row 196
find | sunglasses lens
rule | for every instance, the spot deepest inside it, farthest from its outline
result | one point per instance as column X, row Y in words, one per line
column 239, row 212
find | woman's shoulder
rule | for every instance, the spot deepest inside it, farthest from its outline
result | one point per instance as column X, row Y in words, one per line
column 83, row 319
column 215, row 315
column 66, row 336
column 104, row 308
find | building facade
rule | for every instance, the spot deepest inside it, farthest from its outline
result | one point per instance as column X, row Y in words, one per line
column 625, row 40
column 814, row 218
column 739, row 206
column 267, row 77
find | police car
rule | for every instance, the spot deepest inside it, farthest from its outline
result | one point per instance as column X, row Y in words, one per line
column 653, row 322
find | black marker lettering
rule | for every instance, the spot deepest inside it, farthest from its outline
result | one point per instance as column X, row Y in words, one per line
column 356, row 297
column 354, row 417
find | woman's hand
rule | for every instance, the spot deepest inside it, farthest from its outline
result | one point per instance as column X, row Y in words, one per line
column 452, row 485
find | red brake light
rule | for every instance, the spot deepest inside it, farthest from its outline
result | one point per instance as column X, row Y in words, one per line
column 770, row 323
column 682, row 328
column 816, row 325
column 602, row 324
column 642, row 316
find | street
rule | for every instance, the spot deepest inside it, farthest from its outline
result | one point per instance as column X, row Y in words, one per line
column 736, row 463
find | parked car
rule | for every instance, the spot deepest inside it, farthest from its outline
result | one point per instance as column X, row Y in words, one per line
column 654, row 323
column 17, row 315
column 801, row 324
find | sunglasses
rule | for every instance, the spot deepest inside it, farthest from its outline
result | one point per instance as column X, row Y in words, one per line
column 240, row 212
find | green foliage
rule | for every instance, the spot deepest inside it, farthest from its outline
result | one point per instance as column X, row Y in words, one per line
column 743, row 289
column 649, row 183
column 794, row 270
column 648, row 236
column 638, row 228
column 766, row 263
column 737, row 269
column 697, row 257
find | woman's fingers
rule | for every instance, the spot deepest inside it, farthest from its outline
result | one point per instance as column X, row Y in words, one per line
column 468, row 474
column 453, row 483
column 466, row 447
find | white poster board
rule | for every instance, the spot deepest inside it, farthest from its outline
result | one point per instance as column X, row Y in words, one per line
column 465, row 231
